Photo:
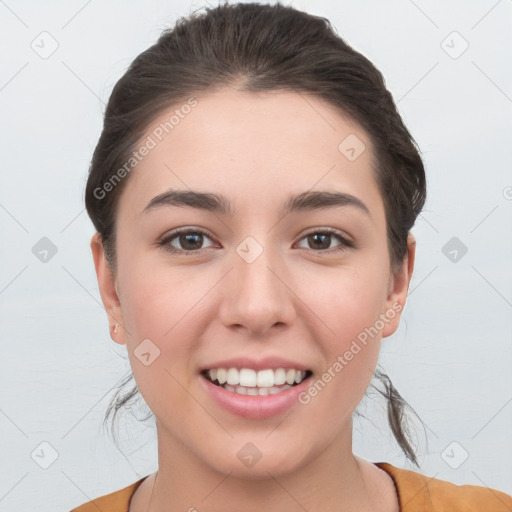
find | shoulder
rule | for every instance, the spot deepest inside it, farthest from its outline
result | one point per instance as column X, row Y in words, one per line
column 118, row 501
column 417, row 492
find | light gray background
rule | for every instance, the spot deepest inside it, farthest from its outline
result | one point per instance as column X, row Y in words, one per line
column 451, row 357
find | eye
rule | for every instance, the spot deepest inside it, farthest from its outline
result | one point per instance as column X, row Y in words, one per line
column 190, row 240
column 322, row 240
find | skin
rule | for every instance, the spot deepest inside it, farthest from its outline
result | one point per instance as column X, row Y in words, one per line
column 296, row 300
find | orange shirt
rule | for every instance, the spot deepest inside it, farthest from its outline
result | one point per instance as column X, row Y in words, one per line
column 416, row 493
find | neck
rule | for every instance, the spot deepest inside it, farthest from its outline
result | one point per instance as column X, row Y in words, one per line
column 331, row 481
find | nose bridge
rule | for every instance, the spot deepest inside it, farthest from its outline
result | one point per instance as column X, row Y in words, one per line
column 258, row 297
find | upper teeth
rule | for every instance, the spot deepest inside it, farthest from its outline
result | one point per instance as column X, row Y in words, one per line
column 251, row 378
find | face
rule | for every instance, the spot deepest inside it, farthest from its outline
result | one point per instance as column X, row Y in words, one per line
column 256, row 281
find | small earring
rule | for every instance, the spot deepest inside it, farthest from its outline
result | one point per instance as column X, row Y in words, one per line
column 115, row 328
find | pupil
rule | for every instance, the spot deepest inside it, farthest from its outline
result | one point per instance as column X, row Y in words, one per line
column 325, row 237
column 184, row 240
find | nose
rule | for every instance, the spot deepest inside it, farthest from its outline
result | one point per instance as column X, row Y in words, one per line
column 257, row 297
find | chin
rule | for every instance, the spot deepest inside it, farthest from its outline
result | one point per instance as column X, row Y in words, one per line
column 258, row 459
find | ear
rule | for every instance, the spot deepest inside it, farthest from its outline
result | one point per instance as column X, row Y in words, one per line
column 398, row 288
column 108, row 291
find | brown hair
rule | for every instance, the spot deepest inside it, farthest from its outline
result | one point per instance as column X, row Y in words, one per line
column 260, row 47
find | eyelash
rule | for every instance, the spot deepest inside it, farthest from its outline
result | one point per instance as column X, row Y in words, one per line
column 165, row 243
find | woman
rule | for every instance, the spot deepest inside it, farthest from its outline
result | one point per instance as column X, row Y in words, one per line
column 253, row 192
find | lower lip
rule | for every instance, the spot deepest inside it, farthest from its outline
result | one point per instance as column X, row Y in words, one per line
column 254, row 407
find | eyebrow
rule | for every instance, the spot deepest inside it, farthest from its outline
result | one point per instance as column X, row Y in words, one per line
column 217, row 203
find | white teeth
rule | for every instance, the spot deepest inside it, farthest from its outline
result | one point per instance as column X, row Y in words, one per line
column 241, row 390
column 290, row 377
column 233, row 377
column 248, row 377
column 299, row 376
column 221, row 375
column 262, row 379
column 265, row 379
column 279, row 377
column 255, row 391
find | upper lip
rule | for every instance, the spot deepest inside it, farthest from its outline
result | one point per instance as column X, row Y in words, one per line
column 265, row 363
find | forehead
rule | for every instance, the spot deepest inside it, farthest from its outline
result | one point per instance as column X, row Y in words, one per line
column 253, row 145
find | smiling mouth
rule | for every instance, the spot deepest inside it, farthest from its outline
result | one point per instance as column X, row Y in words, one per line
column 255, row 383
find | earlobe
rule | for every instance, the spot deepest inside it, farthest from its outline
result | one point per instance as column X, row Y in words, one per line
column 108, row 290
column 399, row 286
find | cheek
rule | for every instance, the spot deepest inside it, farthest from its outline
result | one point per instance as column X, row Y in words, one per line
column 157, row 297
column 171, row 306
column 161, row 335
column 350, row 306
column 348, row 300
